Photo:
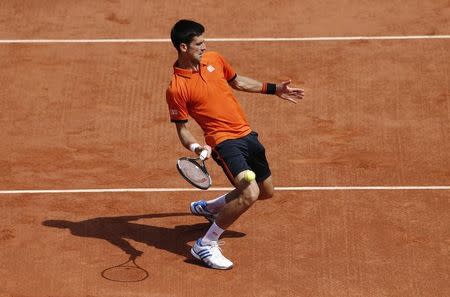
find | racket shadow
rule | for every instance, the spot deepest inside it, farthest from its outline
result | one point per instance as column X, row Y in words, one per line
column 118, row 230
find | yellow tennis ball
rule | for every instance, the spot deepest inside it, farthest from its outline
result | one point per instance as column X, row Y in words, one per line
column 249, row 176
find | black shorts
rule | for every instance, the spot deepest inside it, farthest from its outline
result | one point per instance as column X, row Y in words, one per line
column 237, row 155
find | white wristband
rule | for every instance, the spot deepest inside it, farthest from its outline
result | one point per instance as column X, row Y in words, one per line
column 194, row 146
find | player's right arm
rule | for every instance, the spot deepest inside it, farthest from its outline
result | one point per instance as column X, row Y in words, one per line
column 179, row 115
column 188, row 140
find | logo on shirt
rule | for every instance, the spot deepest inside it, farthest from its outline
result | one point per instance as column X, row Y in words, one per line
column 210, row 68
column 173, row 112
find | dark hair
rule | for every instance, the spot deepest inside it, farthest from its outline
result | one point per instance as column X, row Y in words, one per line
column 184, row 31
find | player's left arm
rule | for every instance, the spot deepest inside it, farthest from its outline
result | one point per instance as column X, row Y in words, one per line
column 283, row 90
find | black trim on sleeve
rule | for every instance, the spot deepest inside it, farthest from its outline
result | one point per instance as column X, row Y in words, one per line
column 233, row 78
column 179, row 121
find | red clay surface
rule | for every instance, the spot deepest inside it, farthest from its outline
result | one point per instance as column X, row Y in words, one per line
column 94, row 116
column 376, row 113
column 152, row 19
column 321, row 244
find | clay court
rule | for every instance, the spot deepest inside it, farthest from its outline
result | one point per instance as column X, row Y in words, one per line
column 361, row 165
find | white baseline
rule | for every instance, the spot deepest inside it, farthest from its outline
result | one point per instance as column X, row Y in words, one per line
column 231, row 39
column 223, row 189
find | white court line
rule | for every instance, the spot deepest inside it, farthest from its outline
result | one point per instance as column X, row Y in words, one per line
column 220, row 189
column 232, row 39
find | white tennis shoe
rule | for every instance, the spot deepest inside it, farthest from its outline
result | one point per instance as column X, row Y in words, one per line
column 211, row 254
column 198, row 208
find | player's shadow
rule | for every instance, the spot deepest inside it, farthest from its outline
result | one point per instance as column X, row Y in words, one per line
column 117, row 231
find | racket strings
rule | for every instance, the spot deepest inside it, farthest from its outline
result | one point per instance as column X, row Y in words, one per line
column 193, row 172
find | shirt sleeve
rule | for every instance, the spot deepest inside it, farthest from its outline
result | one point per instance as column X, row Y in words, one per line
column 177, row 107
column 228, row 71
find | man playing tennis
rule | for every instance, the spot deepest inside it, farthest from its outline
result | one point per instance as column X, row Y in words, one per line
column 201, row 88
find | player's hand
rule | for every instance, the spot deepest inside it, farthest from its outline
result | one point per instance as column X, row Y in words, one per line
column 284, row 91
column 206, row 147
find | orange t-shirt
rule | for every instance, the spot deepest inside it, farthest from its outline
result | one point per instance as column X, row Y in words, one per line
column 206, row 96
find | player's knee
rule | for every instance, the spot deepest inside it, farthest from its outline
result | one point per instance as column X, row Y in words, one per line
column 266, row 195
column 266, row 192
column 250, row 196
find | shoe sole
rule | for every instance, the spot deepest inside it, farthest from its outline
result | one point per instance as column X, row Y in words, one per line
column 194, row 254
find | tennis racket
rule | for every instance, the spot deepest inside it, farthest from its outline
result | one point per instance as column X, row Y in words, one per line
column 194, row 171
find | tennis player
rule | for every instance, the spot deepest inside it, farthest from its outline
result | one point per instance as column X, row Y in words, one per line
column 201, row 87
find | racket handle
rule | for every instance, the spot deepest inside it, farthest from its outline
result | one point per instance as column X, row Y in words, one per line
column 203, row 155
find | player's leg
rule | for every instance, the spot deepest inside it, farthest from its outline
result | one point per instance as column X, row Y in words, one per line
column 207, row 248
column 266, row 189
column 258, row 162
column 210, row 208
column 229, row 156
column 236, row 206
column 234, row 157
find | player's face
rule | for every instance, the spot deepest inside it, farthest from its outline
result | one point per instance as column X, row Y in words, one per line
column 197, row 48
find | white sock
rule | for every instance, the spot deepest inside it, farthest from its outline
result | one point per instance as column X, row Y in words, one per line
column 212, row 234
column 215, row 205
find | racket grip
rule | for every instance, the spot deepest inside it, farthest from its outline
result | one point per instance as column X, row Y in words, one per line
column 203, row 155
